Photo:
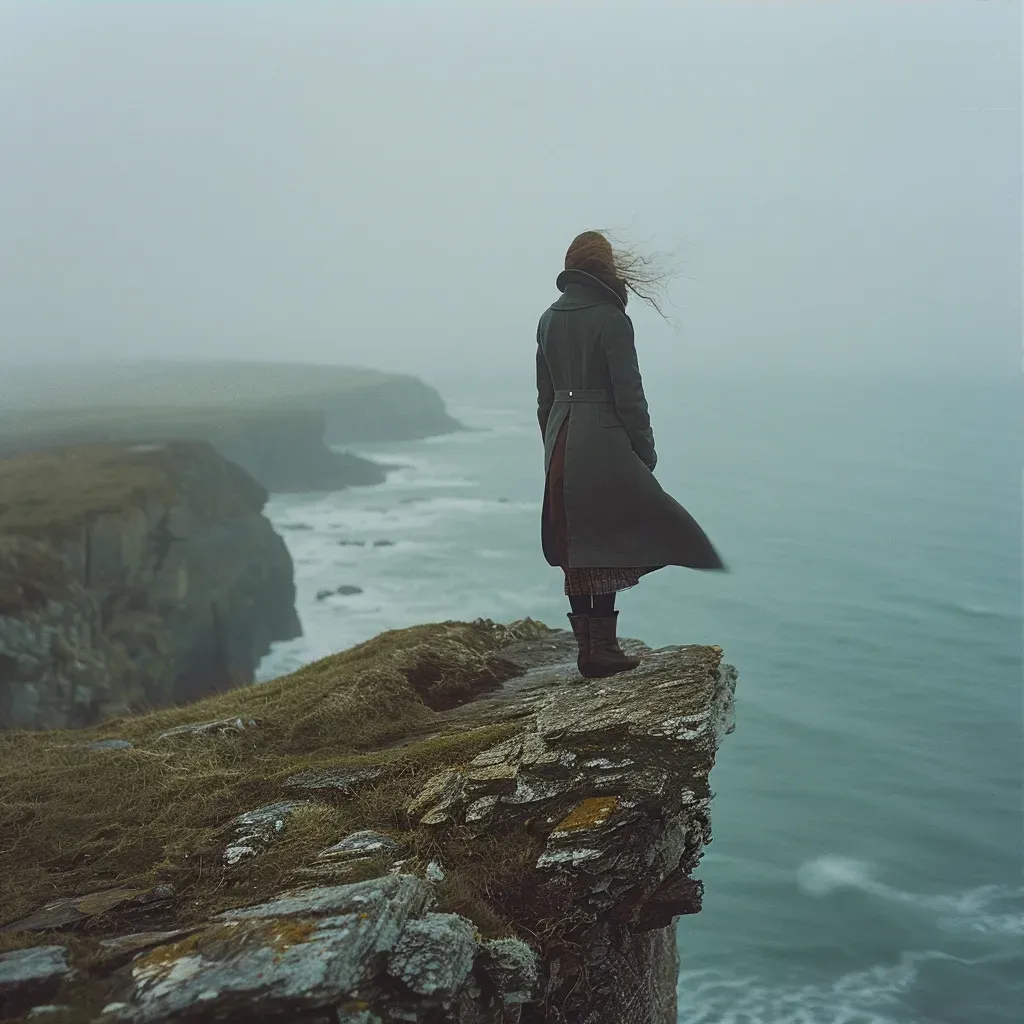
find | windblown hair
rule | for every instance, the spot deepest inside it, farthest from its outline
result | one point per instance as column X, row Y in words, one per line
column 622, row 268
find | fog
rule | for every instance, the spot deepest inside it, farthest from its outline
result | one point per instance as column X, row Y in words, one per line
column 395, row 184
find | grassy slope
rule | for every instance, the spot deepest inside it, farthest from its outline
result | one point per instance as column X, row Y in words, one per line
column 55, row 490
column 74, row 821
column 41, row 489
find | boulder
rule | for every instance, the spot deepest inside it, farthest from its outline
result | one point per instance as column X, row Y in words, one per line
column 30, row 976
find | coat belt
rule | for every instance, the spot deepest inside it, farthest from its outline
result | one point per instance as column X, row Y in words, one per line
column 576, row 395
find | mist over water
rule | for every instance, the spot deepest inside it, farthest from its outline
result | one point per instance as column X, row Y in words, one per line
column 867, row 819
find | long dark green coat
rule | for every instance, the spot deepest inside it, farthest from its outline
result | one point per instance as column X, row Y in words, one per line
column 616, row 511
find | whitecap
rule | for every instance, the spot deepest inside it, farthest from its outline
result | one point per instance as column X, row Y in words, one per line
column 872, row 995
column 986, row 910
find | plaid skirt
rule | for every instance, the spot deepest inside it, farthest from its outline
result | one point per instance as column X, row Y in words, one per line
column 581, row 580
column 603, row 581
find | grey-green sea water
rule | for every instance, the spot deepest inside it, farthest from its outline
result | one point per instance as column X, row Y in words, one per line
column 866, row 867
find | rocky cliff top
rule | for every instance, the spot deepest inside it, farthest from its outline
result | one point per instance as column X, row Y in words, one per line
column 198, row 396
column 54, row 491
column 441, row 824
column 274, row 420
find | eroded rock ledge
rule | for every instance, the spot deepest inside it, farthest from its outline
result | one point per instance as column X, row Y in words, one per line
column 542, row 840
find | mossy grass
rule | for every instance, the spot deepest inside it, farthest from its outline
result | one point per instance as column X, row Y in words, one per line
column 65, row 485
column 75, row 820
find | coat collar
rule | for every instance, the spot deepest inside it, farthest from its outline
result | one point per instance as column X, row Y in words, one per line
column 580, row 289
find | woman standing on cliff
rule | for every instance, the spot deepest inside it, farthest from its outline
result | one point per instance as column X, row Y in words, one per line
column 606, row 520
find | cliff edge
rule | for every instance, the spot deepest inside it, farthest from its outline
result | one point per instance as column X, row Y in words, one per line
column 444, row 823
column 133, row 575
column 275, row 420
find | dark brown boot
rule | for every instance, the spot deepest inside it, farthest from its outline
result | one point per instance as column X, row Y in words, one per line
column 581, row 630
column 606, row 657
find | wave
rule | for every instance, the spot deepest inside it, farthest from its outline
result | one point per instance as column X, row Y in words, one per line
column 988, row 910
column 874, row 995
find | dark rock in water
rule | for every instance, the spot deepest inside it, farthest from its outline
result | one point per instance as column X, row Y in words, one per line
column 352, row 543
column 383, row 543
column 294, row 526
column 344, row 590
column 28, row 976
column 110, row 745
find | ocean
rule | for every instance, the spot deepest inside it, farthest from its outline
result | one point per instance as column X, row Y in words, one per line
column 866, row 865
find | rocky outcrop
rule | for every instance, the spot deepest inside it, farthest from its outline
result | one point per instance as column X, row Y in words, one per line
column 129, row 576
column 274, row 420
column 284, row 450
column 577, row 812
column 393, row 408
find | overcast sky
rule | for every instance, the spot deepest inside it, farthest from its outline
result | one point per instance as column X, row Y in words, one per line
column 395, row 184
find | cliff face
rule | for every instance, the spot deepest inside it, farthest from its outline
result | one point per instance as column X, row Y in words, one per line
column 444, row 824
column 166, row 582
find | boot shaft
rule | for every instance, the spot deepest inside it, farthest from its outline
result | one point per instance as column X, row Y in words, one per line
column 606, row 656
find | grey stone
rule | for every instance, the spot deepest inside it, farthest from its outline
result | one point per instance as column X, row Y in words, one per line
column 361, row 846
column 306, row 950
column 255, row 830
column 110, row 745
column 28, row 976
column 222, row 726
column 410, row 894
column 138, row 941
column 434, row 955
column 69, row 910
column 513, row 967
column 345, row 780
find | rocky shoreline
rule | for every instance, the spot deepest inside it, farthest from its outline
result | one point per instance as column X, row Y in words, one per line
column 504, row 843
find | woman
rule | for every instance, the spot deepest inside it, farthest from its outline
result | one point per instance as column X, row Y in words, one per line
column 606, row 521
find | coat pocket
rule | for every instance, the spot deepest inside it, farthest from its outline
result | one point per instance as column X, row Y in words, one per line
column 609, row 418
